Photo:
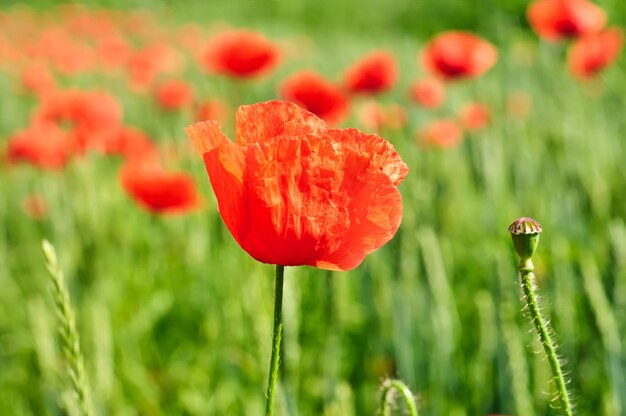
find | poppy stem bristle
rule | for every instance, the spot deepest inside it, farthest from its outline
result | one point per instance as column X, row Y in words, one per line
column 541, row 325
column 389, row 387
column 276, row 337
column 525, row 233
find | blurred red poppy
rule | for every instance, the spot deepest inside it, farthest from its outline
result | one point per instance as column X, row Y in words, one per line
column 455, row 55
column 44, row 145
column 440, row 133
column 428, row 92
column 294, row 192
column 125, row 141
column 591, row 54
column 191, row 37
column 519, row 104
column 114, row 51
column 88, row 113
column 174, row 94
column 35, row 206
column 557, row 19
column 317, row 95
column 158, row 190
column 212, row 110
column 375, row 73
column 240, row 54
column 475, row 116
column 377, row 117
column 37, row 78
column 87, row 109
column 147, row 63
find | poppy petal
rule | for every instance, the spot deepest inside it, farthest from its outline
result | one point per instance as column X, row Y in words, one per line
column 383, row 156
column 224, row 162
column 256, row 123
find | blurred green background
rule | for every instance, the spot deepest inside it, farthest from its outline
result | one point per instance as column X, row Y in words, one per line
column 176, row 319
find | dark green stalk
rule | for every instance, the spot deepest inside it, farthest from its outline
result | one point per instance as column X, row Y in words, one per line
column 278, row 329
column 389, row 387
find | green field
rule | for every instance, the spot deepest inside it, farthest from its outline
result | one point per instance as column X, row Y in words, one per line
column 176, row 319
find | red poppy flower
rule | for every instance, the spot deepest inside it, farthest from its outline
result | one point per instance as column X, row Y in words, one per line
column 317, row 95
column 591, row 54
column 556, row 19
column 124, row 141
column 114, row 51
column 377, row 117
column 428, row 92
column 440, row 133
column 95, row 109
column 519, row 105
column 377, row 72
column 87, row 109
column 37, row 79
column 42, row 144
column 212, row 110
column 294, row 192
column 475, row 116
column 158, row 190
column 240, row 54
column 35, row 206
column 174, row 94
column 455, row 55
column 146, row 64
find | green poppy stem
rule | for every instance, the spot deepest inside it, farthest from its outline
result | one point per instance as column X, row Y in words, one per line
column 389, row 386
column 278, row 329
column 528, row 284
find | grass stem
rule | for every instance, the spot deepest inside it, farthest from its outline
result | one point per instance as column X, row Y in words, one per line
column 69, row 334
column 389, row 387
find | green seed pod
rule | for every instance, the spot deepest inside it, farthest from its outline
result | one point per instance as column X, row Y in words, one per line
column 525, row 233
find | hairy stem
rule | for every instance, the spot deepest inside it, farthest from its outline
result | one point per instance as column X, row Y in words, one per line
column 278, row 329
column 391, row 386
column 528, row 284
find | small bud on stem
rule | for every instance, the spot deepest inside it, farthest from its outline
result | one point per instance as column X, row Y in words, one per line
column 525, row 233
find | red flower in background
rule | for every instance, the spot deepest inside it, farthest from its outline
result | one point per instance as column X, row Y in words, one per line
column 88, row 112
column 557, row 19
column 43, row 144
column 440, row 133
column 591, row 54
column 475, row 116
column 519, row 104
column 128, row 142
column 428, row 92
column 174, row 94
column 86, row 109
column 95, row 110
column 158, row 190
column 376, row 117
column 149, row 62
column 240, row 54
column 317, row 95
column 455, row 55
column 37, row 78
column 294, row 192
column 35, row 206
column 375, row 73
column 114, row 51
column 212, row 110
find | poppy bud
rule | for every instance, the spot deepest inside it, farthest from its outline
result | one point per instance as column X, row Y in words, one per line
column 525, row 233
